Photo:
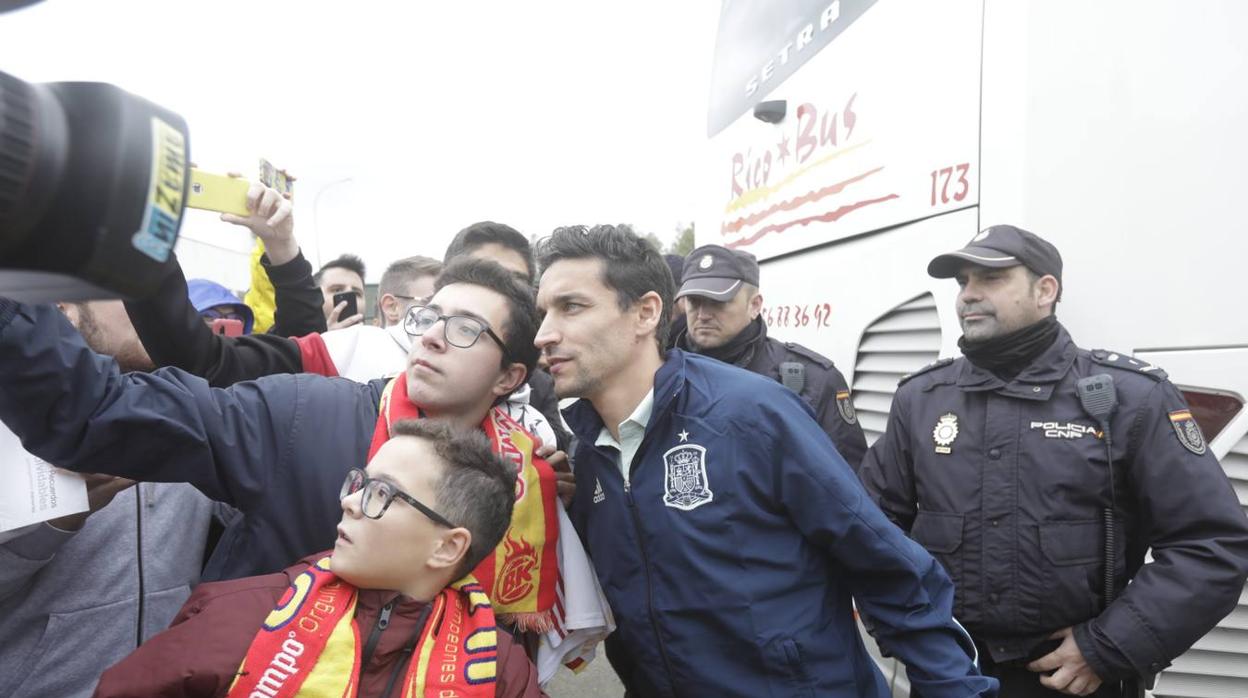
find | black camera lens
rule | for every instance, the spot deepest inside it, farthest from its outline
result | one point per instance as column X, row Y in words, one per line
column 93, row 183
column 33, row 150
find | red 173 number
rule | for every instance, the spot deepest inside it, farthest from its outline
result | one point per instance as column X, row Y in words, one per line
column 941, row 179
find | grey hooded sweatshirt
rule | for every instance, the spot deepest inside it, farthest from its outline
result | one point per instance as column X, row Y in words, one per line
column 73, row 604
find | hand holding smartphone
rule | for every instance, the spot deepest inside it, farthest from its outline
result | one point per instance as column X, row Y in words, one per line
column 213, row 192
column 349, row 298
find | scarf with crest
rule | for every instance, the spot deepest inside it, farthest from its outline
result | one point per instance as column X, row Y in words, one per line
column 310, row 644
column 521, row 576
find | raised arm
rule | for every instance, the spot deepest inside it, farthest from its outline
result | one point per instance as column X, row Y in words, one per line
column 297, row 299
column 173, row 334
column 74, row 408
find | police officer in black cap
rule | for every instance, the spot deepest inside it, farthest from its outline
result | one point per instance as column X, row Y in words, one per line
column 1030, row 467
column 720, row 290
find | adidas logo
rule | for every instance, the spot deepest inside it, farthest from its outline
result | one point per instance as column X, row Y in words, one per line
column 599, row 495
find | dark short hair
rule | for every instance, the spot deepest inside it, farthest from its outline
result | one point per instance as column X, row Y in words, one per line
column 630, row 265
column 477, row 488
column 349, row 262
column 403, row 272
column 486, row 232
column 522, row 318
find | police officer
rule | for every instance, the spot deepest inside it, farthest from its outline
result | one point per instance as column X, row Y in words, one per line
column 995, row 465
column 722, row 304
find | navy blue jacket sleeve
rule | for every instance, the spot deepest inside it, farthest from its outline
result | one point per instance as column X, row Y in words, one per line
column 74, row 408
column 894, row 580
column 1198, row 534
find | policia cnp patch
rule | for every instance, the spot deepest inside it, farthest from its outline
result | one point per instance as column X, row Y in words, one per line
column 1188, row 431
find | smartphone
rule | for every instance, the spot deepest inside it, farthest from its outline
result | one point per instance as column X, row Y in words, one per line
column 351, row 309
column 227, row 327
column 277, row 179
column 214, row 192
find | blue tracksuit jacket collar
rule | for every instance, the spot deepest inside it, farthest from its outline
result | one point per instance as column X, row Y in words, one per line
column 668, row 382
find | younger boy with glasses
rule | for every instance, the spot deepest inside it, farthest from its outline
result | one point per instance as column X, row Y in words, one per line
column 432, row 504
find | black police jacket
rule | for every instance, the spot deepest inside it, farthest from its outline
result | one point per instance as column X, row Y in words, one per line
column 821, row 385
column 1005, row 484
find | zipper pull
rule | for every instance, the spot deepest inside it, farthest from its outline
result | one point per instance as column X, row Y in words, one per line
column 628, row 492
column 383, row 621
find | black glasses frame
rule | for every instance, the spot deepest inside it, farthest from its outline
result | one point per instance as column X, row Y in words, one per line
column 410, row 318
column 358, row 480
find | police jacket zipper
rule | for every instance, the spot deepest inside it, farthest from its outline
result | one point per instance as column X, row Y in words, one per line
column 645, row 565
column 383, row 622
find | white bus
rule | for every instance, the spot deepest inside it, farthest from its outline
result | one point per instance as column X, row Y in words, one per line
column 853, row 140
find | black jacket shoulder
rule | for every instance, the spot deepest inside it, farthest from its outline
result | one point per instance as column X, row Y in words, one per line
column 936, row 371
column 1126, row 362
column 808, row 354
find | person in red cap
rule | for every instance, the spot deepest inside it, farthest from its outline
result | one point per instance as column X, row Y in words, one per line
column 1040, row 473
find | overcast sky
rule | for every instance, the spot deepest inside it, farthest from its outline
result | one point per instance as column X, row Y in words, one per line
column 436, row 114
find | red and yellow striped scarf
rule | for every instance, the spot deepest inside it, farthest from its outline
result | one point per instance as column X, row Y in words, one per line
column 310, row 644
column 520, row 576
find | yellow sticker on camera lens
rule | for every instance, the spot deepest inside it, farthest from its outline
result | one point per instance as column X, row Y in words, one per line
column 162, row 214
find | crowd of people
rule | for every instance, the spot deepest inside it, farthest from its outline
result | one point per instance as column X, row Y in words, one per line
column 288, row 500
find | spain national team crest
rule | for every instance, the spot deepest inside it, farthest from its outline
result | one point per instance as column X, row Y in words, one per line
column 684, row 481
column 1188, row 431
column 845, row 406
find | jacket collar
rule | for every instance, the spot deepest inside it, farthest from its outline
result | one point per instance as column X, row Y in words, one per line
column 1036, row 382
column 669, row 380
column 742, row 347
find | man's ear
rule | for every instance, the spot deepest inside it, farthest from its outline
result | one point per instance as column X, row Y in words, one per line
column 1046, row 289
column 510, row 379
column 756, row 305
column 389, row 307
column 649, row 308
column 452, row 550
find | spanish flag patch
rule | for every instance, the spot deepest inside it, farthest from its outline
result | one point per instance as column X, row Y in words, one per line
column 1188, row 431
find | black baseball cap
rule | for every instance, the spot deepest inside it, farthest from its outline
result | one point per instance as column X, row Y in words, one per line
column 1001, row 246
column 717, row 273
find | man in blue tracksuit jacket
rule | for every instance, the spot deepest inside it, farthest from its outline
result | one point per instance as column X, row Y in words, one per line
column 728, row 533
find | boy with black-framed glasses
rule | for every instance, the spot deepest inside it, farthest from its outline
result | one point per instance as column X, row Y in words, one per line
column 396, row 558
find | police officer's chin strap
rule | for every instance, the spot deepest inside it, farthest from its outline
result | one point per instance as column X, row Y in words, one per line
column 1099, row 400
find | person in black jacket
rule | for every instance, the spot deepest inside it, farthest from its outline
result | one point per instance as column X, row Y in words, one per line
column 174, row 335
column 995, row 465
column 722, row 309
